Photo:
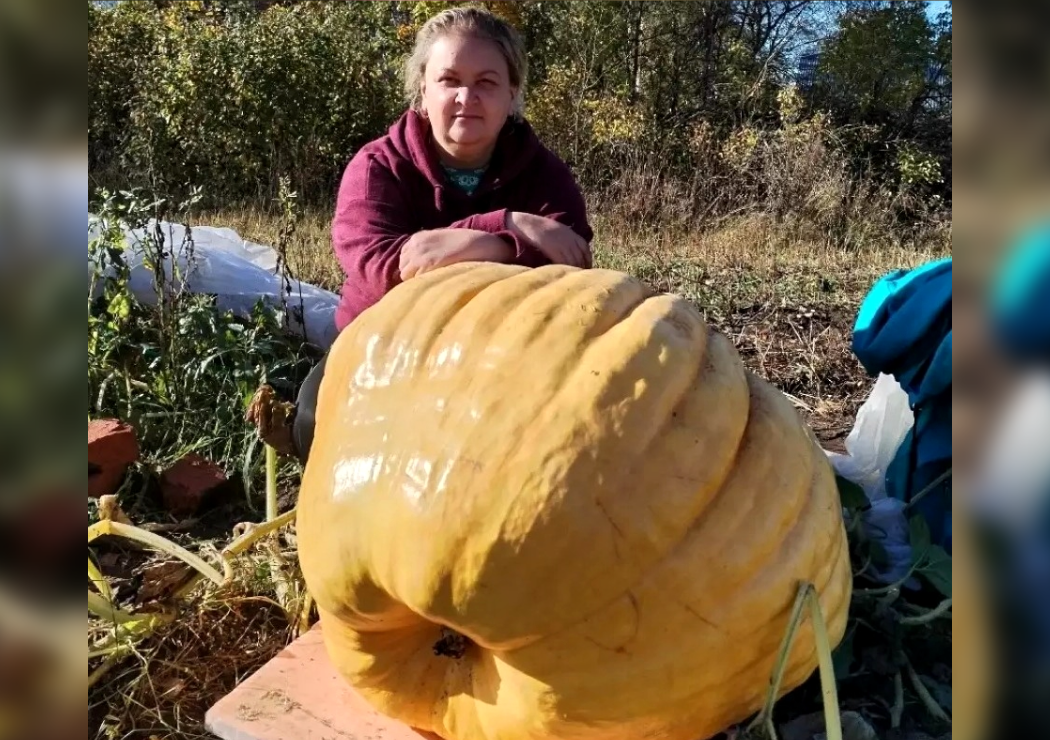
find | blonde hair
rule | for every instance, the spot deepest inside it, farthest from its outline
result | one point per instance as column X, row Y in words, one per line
column 469, row 21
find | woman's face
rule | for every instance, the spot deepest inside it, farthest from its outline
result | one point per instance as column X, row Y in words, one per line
column 467, row 96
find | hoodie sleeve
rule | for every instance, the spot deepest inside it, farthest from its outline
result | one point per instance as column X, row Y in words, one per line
column 495, row 223
column 553, row 193
column 372, row 222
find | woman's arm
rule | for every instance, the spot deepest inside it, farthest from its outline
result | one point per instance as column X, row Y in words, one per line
column 429, row 250
column 370, row 226
column 375, row 227
column 559, row 200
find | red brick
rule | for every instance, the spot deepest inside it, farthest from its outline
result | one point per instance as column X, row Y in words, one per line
column 299, row 695
column 185, row 484
column 112, row 448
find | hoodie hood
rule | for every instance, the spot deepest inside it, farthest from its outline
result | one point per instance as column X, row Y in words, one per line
column 516, row 147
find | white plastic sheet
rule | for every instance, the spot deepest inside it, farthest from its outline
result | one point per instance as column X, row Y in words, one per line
column 882, row 423
column 237, row 272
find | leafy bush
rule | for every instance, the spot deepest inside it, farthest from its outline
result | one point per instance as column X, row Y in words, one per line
column 683, row 116
column 180, row 96
column 181, row 371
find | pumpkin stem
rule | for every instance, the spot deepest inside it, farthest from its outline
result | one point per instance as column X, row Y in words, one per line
column 807, row 594
column 764, row 719
column 451, row 644
column 832, row 717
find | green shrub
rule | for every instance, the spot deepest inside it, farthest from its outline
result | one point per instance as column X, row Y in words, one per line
column 181, row 97
column 181, row 371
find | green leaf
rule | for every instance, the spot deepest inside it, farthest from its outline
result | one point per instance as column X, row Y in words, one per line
column 919, row 536
column 938, row 570
column 119, row 306
column 852, row 496
column 879, row 557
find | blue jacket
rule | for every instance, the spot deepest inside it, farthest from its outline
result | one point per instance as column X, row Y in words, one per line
column 1019, row 306
column 904, row 329
column 1020, row 297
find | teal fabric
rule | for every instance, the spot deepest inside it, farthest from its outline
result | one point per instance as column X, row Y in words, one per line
column 1020, row 297
column 904, row 329
column 466, row 180
column 1020, row 309
column 1019, row 305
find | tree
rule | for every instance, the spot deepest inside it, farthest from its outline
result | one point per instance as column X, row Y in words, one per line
column 880, row 66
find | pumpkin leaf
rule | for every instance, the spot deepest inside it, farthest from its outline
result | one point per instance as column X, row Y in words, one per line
column 938, row 570
column 852, row 496
column 919, row 536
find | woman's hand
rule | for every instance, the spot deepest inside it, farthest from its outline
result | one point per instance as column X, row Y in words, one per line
column 429, row 250
column 557, row 241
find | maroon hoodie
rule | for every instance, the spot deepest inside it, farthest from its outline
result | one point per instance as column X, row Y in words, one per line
column 395, row 186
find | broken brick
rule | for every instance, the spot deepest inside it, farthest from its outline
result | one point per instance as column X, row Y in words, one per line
column 186, row 484
column 112, row 448
column 300, row 694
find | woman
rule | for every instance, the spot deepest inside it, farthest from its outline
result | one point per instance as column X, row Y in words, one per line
column 461, row 176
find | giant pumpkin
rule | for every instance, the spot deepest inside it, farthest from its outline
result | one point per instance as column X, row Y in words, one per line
column 551, row 503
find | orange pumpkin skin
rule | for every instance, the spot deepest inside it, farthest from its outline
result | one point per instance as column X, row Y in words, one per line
column 578, row 475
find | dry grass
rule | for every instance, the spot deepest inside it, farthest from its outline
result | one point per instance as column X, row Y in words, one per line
column 752, row 247
column 220, row 637
column 308, row 249
column 164, row 690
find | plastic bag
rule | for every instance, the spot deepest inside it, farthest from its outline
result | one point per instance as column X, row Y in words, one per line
column 237, row 272
column 882, row 423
